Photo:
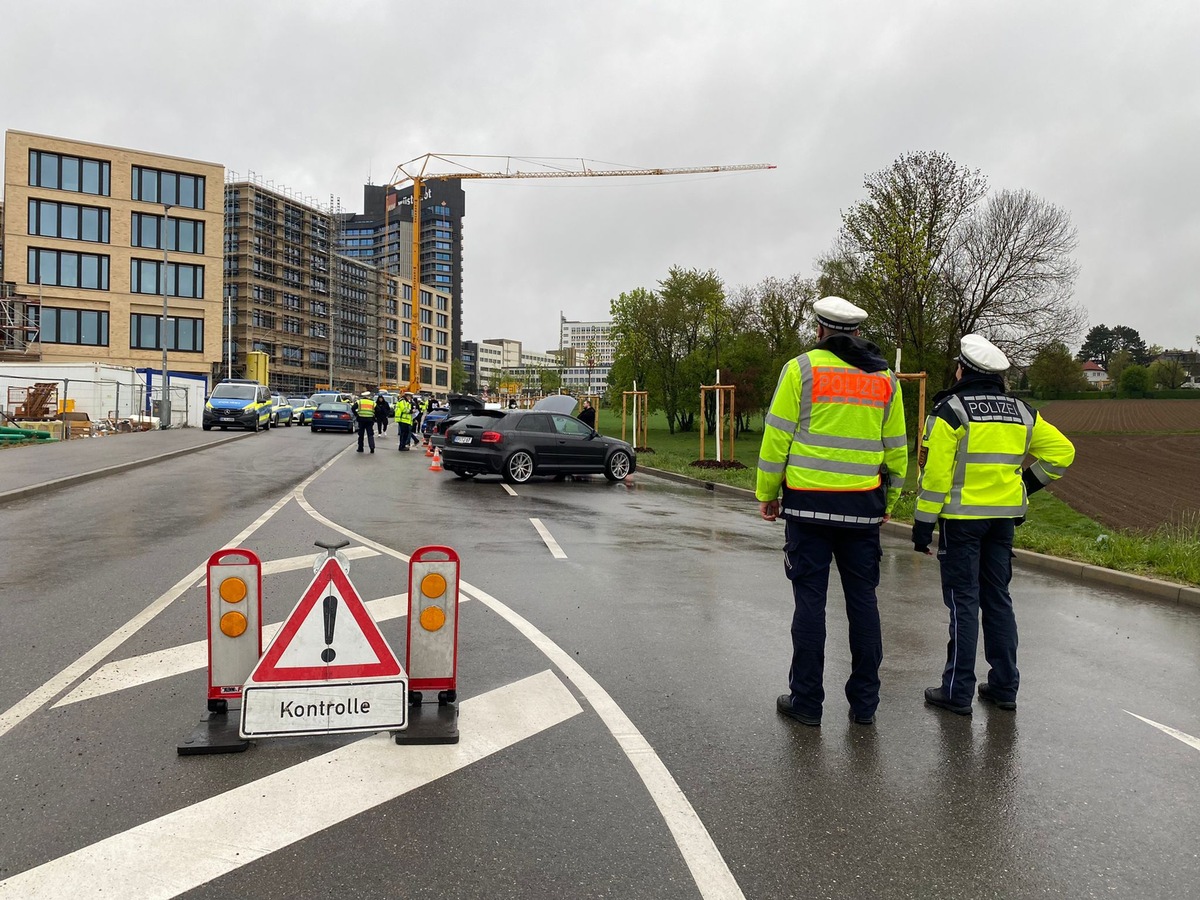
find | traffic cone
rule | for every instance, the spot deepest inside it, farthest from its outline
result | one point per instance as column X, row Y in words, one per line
column 429, row 449
column 436, row 465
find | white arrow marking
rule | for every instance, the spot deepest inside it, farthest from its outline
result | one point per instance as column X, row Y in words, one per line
column 138, row 670
column 190, row 847
column 1167, row 729
column 555, row 550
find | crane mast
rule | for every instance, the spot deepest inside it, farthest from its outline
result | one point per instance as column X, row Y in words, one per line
column 414, row 171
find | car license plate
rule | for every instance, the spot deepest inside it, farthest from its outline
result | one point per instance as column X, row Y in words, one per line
column 462, row 439
column 227, row 418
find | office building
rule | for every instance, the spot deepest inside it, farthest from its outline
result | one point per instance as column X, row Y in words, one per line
column 588, row 355
column 86, row 229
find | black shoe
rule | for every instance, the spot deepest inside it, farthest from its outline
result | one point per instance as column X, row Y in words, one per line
column 783, row 703
column 988, row 695
column 359, row 450
column 935, row 696
column 372, row 449
column 861, row 720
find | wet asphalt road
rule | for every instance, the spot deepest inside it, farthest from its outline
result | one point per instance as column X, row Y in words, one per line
column 673, row 600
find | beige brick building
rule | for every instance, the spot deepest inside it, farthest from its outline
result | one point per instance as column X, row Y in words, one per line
column 83, row 257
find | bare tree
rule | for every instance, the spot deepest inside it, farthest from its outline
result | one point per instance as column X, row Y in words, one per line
column 778, row 311
column 1008, row 274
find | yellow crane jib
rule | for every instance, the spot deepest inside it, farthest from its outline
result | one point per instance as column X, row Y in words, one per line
column 416, row 172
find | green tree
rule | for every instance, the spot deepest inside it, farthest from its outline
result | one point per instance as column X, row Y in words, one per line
column 1168, row 373
column 1117, row 364
column 1135, row 379
column 1055, row 371
column 549, row 380
column 458, row 376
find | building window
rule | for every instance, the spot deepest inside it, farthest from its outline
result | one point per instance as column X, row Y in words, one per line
column 183, row 235
column 69, row 173
column 318, row 358
column 426, row 352
column 291, row 325
column 443, row 356
column 183, row 280
column 69, row 326
column 69, row 221
column 319, row 308
column 162, row 186
column 318, row 330
column 66, row 268
column 293, row 356
column 185, row 335
column 263, row 319
column 443, row 321
column 442, row 379
column 390, row 345
column 426, row 317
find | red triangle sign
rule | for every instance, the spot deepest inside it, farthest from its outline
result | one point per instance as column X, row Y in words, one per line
column 329, row 636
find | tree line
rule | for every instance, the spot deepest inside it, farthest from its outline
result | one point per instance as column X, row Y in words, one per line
column 929, row 253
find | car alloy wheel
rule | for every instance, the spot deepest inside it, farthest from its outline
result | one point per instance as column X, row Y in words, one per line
column 519, row 467
column 617, row 467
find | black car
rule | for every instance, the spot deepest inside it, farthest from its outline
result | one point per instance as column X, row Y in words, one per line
column 518, row 444
column 333, row 417
column 459, row 407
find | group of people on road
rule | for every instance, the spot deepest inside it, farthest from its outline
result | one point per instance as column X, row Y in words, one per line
column 372, row 412
column 834, row 457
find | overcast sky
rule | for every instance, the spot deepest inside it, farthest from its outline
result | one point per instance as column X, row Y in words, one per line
column 1094, row 105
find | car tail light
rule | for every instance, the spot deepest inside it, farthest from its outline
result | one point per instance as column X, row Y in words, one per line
column 491, row 437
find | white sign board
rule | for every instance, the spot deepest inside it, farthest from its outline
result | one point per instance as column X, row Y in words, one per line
column 344, row 707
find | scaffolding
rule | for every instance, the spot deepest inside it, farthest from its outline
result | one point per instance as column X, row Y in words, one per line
column 18, row 325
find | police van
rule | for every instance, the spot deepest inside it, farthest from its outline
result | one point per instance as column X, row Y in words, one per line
column 238, row 403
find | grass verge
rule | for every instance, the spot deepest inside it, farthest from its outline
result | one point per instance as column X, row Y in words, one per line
column 1171, row 552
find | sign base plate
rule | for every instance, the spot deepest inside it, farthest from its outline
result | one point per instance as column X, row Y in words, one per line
column 430, row 724
column 216, row 733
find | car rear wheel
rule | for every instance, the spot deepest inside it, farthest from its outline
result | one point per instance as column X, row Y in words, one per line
column 617, row 467
column 518, row 468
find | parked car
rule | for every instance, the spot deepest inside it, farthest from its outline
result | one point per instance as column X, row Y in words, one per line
column 518, row 444
column 459, row 407
column 333, row 417
column 237, row 403
column 302, row 409
column 281, row 411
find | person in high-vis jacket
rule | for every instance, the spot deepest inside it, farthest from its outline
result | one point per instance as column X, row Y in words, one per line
column 364, row 410
column 834, row 444
column 404, row 420
column 973, row 486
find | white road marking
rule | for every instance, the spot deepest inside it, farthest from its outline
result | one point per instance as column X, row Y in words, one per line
column 709, row 869
column 34, row 701
column 555, row 550
column 1167, row 729
column 138, row 670
column 507, row 487
column 295, row 563
column 182, row 850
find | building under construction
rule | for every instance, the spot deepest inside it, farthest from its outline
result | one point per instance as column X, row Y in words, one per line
column 322, row 316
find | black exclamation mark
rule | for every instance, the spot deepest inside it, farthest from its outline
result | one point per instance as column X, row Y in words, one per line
column 330, row 617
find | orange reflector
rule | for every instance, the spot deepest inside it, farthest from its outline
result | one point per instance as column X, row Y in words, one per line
column 433, row 585
column 233, row 624
column 432, row 617
column 233, row 590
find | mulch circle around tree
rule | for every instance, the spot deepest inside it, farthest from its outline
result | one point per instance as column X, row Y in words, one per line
column 717, row 464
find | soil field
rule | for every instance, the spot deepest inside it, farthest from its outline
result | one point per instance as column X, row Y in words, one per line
column 1133, row 481
column 1124, row 416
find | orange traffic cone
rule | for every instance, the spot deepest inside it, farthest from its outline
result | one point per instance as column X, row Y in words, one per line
column 436, row 465
column 429, row 450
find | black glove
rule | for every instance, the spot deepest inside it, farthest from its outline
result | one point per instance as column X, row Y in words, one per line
column 1032, row 485
column 922, row 536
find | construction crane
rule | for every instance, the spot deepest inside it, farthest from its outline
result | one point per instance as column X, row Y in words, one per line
column 416, row 172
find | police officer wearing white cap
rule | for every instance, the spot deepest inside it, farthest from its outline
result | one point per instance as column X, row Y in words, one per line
column 972, row 485
column 834, row 446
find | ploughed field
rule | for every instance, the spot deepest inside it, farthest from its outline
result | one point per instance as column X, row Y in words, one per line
column 1136, row 464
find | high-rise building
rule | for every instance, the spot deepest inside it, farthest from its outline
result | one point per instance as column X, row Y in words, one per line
column 91, row 233
column 323, row 316
column 384, row 233
column 592, row 345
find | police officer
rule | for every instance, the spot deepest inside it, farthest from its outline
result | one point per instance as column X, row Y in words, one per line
column 834, row 442
column 975, row 442
column 364, row 410
column 404, row 420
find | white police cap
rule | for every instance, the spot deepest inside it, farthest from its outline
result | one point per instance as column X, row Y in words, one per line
column 837, row 314
column 978, row 353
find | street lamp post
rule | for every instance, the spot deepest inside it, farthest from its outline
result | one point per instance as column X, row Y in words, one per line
column 164, row 406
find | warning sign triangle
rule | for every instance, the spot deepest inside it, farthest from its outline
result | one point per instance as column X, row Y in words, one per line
column 329, row 636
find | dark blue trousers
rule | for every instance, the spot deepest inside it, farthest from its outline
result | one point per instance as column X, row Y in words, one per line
column 976, row 561
column 366, row 427
column 808, row 552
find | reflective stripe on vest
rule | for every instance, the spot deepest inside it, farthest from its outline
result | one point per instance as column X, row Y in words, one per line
column 968, row 456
